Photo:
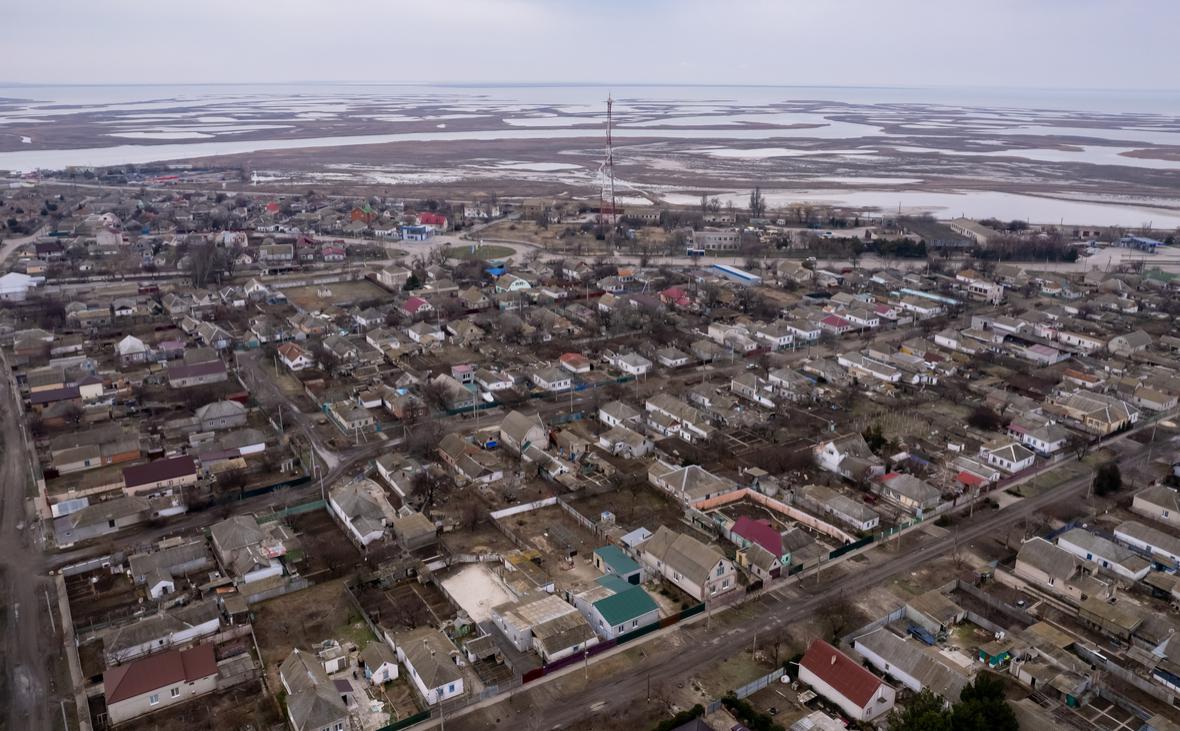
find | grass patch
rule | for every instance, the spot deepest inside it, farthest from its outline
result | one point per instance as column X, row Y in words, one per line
column 483, row 253
column 355, row 631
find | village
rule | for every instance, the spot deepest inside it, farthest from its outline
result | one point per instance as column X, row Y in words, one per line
column 316, row 462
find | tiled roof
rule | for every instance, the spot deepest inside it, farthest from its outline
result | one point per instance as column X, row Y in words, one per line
column 841, row 672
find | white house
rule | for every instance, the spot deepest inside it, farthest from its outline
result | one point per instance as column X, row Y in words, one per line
column 1164, row 547
column 14, row 286
column 632, row 364
column 696, row 568
column 379, row 663
column 430, row 659
column 617, row 413
column 295, row 357
column 1109, row 555
column 861, row 695
column 551, row 379
column 493, row 381
column 913, row 667
column 1008, row 455
column 364, row 510
column 159, row 681
column 1158, row 502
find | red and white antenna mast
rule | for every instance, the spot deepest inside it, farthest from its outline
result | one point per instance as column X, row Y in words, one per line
column 608, row 177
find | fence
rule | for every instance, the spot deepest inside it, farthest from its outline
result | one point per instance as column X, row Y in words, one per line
column 1146, row 685
column 523, row 508
column 293, row 510
column 754, row 686
column 622, row 639
column 1014, row 613
column 407, row 721
column 582, row 520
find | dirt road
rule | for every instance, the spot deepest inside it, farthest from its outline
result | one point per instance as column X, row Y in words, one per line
column 26, row 637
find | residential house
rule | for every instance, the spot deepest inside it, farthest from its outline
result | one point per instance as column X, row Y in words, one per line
column 156, row 570
column 613, row 609
column 493, row 381
column 908, row 492
column 618, row 413
column 1008, row 455
column 1133, row 342
column 426, row 333
column 378, row 662
column 393, row 277
column 910, row 664
column 1097, row 413
column 131, row 350
column 632, row 364
column 551, row 379
column 221, row 415
column 701, row 571
column 688, row 484
column 511, row 283
column 158, row 681
column 1050, row 567
column 672, row 358
column 612, row 560
column 167, row 628
column 429, row 657
column 1158, row 502
column 1106, row 553
column 519, row 431
column 859, row 694
column 415, row 306
column 827, row 501
column 362, row 507
column 246, row 550
column 545, row 623
column 295, row 357
column 850, row 457
column 161, row 475
column 414, row 531
column 671, row 416
column 187, row 375
column 623, row 442
column 1164, row 548
column 313, row 701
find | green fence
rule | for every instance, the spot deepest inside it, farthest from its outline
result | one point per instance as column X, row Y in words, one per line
column 406, row 722
column 637, row 633
column 850, row 547
column 293, row 510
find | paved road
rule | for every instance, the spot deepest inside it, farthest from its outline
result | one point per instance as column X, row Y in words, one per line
column 26, row 636
column 548, row 707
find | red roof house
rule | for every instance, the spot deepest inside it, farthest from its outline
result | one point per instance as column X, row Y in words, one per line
column 861, row 695
column 432, row 219
column 575, row 362
column 760, row 532
column 159, row 680
column 414, row 304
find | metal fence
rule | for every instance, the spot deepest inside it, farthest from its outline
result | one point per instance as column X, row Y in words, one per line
column 293, row 510
column 758, row 684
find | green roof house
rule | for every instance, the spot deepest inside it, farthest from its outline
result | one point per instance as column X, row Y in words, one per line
column 624, row 612
column 612, row 560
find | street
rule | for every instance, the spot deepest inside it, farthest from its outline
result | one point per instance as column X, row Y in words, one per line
column 550, row 708
column 25, row 646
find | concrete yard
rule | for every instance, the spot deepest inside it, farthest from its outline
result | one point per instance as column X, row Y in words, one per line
column 476, row 588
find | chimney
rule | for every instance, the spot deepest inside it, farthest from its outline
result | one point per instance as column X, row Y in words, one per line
column 833, row 659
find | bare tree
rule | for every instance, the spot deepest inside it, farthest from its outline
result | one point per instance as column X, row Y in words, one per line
column 205, row 261
column 757, row 203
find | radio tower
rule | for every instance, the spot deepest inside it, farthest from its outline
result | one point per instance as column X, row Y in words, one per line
column 607, row 193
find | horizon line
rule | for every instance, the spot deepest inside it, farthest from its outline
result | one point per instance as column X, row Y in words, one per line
column 588, row 84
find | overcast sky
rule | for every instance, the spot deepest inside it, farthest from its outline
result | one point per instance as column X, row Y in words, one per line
column 1128, row 44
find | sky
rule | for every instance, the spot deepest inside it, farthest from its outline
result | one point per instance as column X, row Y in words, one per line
column 1090, row 44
